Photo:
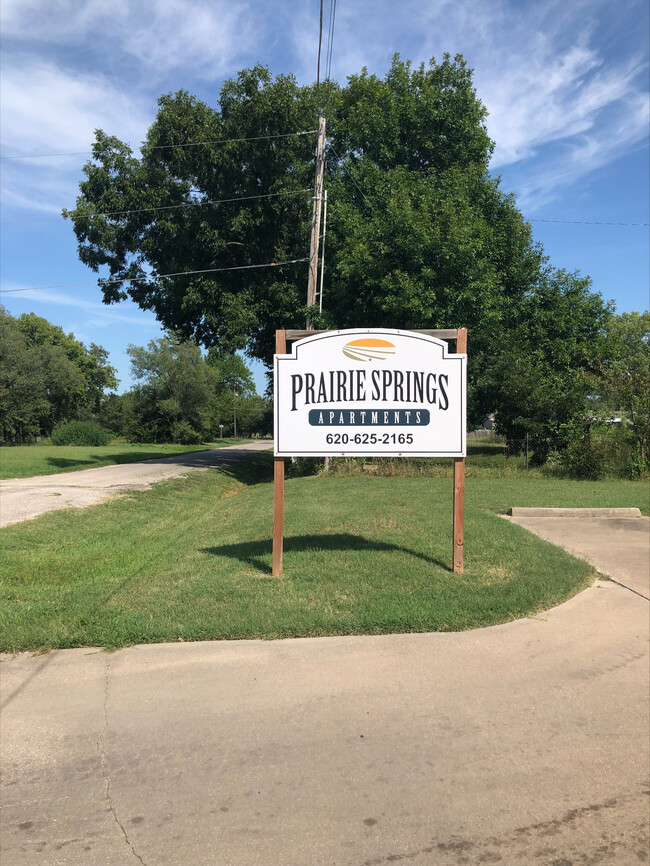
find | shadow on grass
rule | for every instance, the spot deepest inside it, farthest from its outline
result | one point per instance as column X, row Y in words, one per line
column 496, row 450
column 255, row 552
column 248, row 467
column 141, row 456
column 68, row 462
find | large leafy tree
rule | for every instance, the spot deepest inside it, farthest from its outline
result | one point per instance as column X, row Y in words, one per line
column 420, row 235
column 625, row 373
column 46, row 377
column 541, row 375
column 174, row 400
column 183, row 396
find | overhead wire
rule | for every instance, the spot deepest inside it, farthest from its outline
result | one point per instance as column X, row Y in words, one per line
column 330, row 40
column 320, row 43
column 165, row 207
column 154, row 277
column 527, row 219
column 584, row 222
column 161, row 146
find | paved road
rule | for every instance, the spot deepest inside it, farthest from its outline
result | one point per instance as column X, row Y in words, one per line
column 525, row 743
column 22, row 498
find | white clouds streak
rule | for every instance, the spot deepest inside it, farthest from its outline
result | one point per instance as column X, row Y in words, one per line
column 94, row 312
column 560, row 105
column 46, row 109
column 161, row 36
column 563, row 82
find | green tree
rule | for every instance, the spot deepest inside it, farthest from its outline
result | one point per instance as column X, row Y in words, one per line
column 541, row 375
column 175, row 400
column 235, row 387
column 419, row 234
column 94, row 377
column 626, row 373
column 23, row 394
column 46, row 377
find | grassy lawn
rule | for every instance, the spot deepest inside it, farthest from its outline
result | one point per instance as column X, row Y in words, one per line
column 23, row 461
column 190, row 559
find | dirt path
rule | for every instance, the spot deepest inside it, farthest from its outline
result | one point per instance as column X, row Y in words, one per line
column 22, row 498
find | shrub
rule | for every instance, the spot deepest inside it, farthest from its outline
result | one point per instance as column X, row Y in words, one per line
column 586, row 457
column 184, row 434
column 80, row 433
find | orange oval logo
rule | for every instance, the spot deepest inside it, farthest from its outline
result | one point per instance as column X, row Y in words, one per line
column 368, row 349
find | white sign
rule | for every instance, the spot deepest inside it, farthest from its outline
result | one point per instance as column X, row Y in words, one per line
column 370, row 392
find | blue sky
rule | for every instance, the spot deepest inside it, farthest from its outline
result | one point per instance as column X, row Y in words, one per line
column 565, row 84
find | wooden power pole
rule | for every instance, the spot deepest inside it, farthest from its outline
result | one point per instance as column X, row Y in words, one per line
column 315, row 222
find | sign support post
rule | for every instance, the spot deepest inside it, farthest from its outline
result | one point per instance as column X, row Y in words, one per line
column 403, row 394
column 278, row 483
column 459, row 483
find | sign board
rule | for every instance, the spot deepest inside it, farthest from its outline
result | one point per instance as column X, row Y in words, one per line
column 370, row 392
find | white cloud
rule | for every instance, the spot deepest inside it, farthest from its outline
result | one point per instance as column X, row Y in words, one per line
column 96, row 313
column 202, row 37
column 562, row 102
column 559, row 106
column 48, row 110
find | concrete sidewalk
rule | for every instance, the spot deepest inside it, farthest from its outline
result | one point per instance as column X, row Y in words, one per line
column 22, row 498
column 523, row 743
column 616, row 546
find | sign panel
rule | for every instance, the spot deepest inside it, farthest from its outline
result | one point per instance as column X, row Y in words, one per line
column 370, row 392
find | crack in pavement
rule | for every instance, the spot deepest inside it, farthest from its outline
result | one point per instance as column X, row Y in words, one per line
column 107, row 781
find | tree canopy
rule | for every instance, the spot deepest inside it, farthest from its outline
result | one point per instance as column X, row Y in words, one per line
column 46, row 377
column 183, row 396
column 420, row 235
column 625, row 373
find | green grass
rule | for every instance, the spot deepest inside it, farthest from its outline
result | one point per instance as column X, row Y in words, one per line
column 23, row 461
column 190, row 559
column 486, row 458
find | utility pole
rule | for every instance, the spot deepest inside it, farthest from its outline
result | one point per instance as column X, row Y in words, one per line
column 315, row 222
column 322, row 258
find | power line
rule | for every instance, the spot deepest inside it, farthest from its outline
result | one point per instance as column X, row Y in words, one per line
column 349, row 174
column 165, row 207
column 155, row 277
column 161, row 146
column 585, row 222
column 320, row 42
column 330, row 40
column 528, row 219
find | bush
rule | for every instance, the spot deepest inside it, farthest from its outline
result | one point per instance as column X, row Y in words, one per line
column 80, row 433
column 184, row 434
column 586, row 457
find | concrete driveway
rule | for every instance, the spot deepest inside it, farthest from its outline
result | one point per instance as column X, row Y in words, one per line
column 22, row 498
column 616, row 544
column 524, row 743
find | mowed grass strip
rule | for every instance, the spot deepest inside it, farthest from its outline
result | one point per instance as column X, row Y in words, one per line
column 190, row 559
column 24, row 461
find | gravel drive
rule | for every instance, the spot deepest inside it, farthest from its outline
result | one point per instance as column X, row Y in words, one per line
column 23, row 498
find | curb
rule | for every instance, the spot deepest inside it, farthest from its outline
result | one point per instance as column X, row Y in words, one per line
column 574, row 512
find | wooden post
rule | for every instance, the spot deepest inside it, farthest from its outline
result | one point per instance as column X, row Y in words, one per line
column 278, row 483
column 315, row 222
column 459, row 483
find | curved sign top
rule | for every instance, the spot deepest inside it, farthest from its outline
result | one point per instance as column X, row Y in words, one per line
column 370, row 392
